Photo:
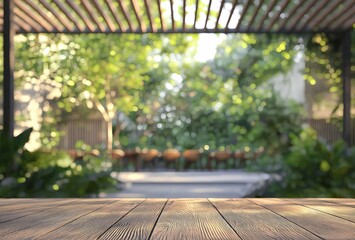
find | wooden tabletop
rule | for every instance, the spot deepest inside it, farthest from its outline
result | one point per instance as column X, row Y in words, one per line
column 177, row 218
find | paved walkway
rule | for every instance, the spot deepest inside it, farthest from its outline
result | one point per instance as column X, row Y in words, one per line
column 219, row 184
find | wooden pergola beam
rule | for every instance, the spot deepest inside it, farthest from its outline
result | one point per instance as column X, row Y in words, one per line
column 254, row 14
column 235, row 2
column 196, row 13
column 277, row 16
column 346, row 76
column 126, row 15
column 322, row 14
column 94, row 18
column 315, row 12
column 34, row 25
column 208, row 13
column 335, row 16
column 184, row 15
column 290, row 15
column 162, row 22
column 62, row 20
column 9, row 66
column 136, row 11
column 219, row 13
column 343, row 18
column 27, row 11
column 172, row 14
column 62, row 8
column 148, row 5
column 78, row 11
column 35, row 7
column 114, row 14
column 104, row 15
column 266, row 14
column 301, row 14
column 242, row 15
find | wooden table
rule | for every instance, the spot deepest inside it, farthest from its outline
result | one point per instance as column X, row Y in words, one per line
column 177, row 218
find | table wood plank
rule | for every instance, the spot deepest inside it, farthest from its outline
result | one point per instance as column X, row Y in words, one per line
column 321, row 224
column 14, row 211
column 342, row 211
column 252, row 221
column 342, row 201
column 192, row 219
column 94, row 224
column 137, row 224
column 37, row 224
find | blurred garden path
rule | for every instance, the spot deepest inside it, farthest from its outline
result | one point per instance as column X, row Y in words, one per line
column 216, row 184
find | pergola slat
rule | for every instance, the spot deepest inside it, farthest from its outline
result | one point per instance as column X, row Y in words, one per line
column 34, row 25
column 301, row 14
column 254, row 14
column 21, row 25
column 114, row 14
column 208, row 13
column 322, row 14
column 78, row 11
column 172, row 14
column 136, row 10
column 162, row 22
column 277, row 16
column 219, row 13
column 90, row 11
column 26, row 10
column 291, row 14
column 196, row 13
column 245, row 9
column 35, row 7
column 335, row 16
column 126, row 15
column 184, row 15
column 62, row 20
column 343, row 18
column 262, row 20
column 235, row 2
column 62, row 8
column 315, row 12
column 148, row 5
column 104, row 15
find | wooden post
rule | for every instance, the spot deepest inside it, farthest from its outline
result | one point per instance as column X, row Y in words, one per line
column 346, row 75
column 9, row 62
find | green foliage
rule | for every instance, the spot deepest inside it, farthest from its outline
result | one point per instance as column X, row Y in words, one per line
column 49, row 174
column 314, row 169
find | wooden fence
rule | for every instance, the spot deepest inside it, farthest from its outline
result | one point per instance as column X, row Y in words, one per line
column 93, row 132
column 329, row 131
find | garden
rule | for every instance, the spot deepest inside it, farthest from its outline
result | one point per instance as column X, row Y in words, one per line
column 158, row 92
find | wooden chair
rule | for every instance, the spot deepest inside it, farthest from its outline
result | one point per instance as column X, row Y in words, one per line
column 149, row 156
column 171, row 156
column 132, row 156
column 239, row 159
column 191, row 156
column 218, row 157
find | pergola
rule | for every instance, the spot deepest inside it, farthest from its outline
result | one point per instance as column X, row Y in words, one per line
column 175, row 16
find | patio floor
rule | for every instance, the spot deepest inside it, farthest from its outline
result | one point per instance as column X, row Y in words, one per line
column 192, row 184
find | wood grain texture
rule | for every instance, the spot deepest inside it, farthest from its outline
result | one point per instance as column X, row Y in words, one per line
column 192, row 219
column 252, row 221
column 23, row 208
column 137, row 224
column 342, row 201
column 345, row 212
column 94, row 224
column 321, row 224
column 40, row 223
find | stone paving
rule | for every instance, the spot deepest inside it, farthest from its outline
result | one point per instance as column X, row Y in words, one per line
column 216, row 184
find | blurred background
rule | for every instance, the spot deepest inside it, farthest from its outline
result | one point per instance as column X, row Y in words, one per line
column 90, row 107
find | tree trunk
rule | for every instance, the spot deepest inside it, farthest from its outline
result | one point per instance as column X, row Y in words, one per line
column 116, row 135
column 109, row 135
